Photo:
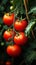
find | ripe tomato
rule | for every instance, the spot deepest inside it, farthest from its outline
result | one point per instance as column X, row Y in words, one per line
column 13, row 50
column 20, row 38
column 20, row 25
column 8, row 19
column 8, row 34
column 8, row 63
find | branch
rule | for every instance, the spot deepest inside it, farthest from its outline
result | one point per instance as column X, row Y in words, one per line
column 13, row 38
column 13, row 27
column 26, row 9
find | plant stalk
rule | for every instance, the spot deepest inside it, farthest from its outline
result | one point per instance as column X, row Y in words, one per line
column 26, row 9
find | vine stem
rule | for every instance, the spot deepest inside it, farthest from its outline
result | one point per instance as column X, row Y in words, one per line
column 13, row 27
column 13, row 38
column 26, row 9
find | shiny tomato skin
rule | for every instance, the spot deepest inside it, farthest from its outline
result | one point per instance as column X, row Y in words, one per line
column 7, row 35
column 14, row 50
column 8, row 19
column 20, row 39
column 7, row 63
column 20, row 25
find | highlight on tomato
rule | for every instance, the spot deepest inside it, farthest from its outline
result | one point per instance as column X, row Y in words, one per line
column 8, row 34
column 8, row 19
column 20, row 39
column 13, row 50
column 20, row 25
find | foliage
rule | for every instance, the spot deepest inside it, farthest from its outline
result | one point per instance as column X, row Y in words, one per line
column 29, row 50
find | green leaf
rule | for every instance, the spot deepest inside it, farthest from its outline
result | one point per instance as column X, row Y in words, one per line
column 30, row 53
column 1, row 21
column 4, row 2
column 33, row 10
column 1, row 8
column 5, row 27
column 30, row 57
column 18, row 6
column 29, row 27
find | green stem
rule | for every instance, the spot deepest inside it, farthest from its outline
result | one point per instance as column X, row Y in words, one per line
column 13, row 37
column 13, row 27
column 12, row 59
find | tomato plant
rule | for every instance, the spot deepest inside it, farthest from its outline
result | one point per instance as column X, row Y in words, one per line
column 20, row 25
column 8, row 19
column 13, row 50
column 8, row 34
column 20, row 38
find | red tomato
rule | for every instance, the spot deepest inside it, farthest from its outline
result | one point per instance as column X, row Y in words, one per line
column 13, row 50
column 20, row 38
column 8, row 63
column 8, row 19
column 8, row 35
column 20, row 25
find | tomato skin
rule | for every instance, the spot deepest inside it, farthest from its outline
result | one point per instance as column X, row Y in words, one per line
column 20, row 25
column 8, row 19
column 20, row 39
column 14, row 50
column 8, row 63
column 8, row 34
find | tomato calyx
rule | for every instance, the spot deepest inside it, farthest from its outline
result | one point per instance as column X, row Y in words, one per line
column 7, row 14
column 10, row 30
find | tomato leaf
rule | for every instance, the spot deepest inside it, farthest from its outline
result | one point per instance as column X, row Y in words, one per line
column 29, row 27
column 32, row 10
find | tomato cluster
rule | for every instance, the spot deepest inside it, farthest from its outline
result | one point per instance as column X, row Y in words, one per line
column 19, row 38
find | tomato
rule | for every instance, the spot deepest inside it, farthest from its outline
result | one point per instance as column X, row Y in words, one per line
column 13, row 50
column 8, row 63
column 20, row 25
column 8, row 34
column 20, row 38
column 8, row 19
